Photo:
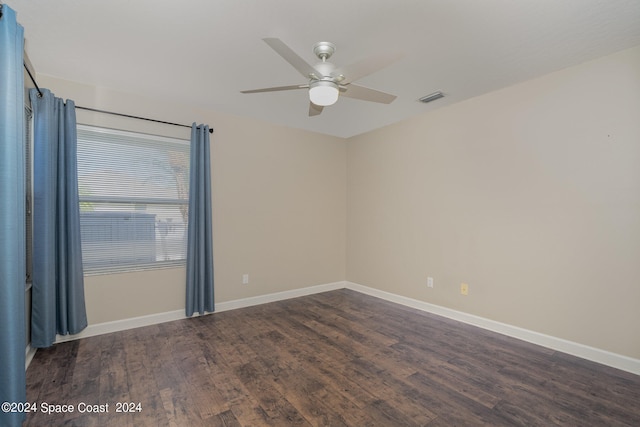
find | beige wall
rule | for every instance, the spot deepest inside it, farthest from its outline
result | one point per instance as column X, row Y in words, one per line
column 531, row 195
column 279, row 203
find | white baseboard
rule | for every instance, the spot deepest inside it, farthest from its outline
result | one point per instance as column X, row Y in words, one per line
column 152, row 319
column 593, row 354
column 586, row 352
column 123, row 325
column 279, row 296
column 29, row 353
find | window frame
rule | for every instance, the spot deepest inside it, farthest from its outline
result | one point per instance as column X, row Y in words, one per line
column 133, row 201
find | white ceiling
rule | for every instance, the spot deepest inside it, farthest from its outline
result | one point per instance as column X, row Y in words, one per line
column 204, row 52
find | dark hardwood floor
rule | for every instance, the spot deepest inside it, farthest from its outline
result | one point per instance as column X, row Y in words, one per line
column 334, row 359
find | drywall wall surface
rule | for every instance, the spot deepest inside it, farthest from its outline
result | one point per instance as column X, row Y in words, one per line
column 279, row 205
column 112, row 297
column 530, row 195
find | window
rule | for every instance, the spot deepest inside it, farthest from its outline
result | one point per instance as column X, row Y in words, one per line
column 134, row 198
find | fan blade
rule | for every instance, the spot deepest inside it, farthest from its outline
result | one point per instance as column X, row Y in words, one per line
column 366, row 66
column 366, row 94
column 314, row 110
column 274, row 89
column 291, row 57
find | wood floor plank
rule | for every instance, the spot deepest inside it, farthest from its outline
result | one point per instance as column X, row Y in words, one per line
column 334, row 367
column 279, row 410
column 228, row 419
column 338, row 358
column 351, row 364
column 289, row 376
column 143, row 387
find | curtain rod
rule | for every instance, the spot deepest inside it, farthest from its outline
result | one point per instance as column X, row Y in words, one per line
column 33, row 80
column 135, row 117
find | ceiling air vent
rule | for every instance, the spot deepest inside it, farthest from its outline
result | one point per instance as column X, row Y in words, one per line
column 431, row 97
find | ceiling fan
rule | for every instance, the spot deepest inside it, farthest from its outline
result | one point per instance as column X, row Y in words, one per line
column 326, row 81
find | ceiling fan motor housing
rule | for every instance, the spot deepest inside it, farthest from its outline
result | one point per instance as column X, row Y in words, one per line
column 325, row 69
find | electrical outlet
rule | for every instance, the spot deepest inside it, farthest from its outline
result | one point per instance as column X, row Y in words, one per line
column 429, row 282
column 245, row 279
column 464, row 289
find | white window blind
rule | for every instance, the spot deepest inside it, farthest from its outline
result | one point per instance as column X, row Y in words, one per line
column 134, row 198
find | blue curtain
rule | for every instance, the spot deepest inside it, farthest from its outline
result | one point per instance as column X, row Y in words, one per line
column 200, row 238
column 12, row 217
column 57, row 299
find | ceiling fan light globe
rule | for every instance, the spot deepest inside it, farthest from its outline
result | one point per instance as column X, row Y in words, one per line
column 323, row 93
